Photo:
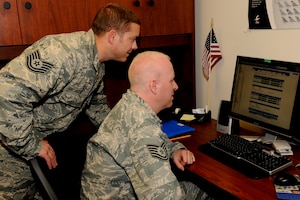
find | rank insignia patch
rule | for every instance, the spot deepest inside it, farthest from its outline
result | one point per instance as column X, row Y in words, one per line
column 36, row 64
column 158, row 151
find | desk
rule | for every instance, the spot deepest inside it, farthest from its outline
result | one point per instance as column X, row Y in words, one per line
column 224, row 177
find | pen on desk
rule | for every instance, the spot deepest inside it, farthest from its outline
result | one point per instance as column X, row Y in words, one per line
column 180, row 137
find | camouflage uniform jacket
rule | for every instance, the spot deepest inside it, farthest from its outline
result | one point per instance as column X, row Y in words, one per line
column 130, row 153
column 44, row 89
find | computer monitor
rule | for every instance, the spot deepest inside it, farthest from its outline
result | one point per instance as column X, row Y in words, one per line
column 266, row 93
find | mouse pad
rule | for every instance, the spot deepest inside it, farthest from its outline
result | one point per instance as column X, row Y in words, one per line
column 287, row 191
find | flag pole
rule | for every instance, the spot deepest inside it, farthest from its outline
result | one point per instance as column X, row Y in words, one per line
column 209, row 68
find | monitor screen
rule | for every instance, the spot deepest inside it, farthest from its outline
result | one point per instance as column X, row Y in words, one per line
column 266, row 93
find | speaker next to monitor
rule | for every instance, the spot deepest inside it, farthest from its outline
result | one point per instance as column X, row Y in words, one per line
column 225, row 124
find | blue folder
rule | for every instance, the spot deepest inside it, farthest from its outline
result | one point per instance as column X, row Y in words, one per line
column 173, row 128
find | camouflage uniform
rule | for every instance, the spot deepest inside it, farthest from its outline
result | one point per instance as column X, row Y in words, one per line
column 129, row 157
column 41, row 92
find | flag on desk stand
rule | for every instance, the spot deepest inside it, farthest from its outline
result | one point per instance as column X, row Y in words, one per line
column 211, row 54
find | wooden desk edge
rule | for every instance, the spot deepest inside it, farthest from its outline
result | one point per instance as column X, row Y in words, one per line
column 225, row 177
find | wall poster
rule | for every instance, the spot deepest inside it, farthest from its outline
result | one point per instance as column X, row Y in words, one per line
column 274, row 14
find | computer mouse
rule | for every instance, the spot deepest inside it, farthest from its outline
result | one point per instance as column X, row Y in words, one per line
column 286, row 179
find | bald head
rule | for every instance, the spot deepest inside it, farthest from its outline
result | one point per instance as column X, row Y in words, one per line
column 146, row 66
column 151, row 76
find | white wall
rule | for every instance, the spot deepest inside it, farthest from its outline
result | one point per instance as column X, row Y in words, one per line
column 231, row 28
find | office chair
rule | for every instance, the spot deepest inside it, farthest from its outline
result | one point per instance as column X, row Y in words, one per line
column 64, row 181
column 37, row 169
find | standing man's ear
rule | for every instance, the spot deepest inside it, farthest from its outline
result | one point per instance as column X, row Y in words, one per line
column 153, row 86
column 111, row 35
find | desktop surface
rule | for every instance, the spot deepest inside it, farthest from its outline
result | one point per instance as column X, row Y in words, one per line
column 224, row 177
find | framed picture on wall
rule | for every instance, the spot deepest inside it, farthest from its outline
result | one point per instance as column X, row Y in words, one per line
column 274, row 14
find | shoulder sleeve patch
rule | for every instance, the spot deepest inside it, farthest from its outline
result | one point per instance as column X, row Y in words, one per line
column 159, row 152
column 36, row 64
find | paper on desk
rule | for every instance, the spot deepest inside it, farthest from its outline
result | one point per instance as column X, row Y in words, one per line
column 198, row 111
column 250, row 137
column 187, row 117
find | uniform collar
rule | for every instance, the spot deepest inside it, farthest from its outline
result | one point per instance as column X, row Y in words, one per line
column 96, row 63
column 133, row 96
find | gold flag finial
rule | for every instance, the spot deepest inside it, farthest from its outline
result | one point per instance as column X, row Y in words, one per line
column 212, row 23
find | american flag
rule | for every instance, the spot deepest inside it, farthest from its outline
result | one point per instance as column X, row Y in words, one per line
column 211, row 53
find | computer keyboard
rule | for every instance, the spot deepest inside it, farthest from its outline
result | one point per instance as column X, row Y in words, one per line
column 249, row 158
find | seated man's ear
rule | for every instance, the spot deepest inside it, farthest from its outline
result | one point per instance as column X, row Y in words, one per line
column 153, row 86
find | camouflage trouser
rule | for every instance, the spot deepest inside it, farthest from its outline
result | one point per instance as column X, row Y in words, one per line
column 16, row 181
column 193, row 192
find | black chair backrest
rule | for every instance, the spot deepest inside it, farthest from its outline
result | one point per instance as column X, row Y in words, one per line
column 42, row 178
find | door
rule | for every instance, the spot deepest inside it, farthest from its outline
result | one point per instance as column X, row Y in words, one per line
column 39, row 18
column 165, row 17
column 10, row 33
